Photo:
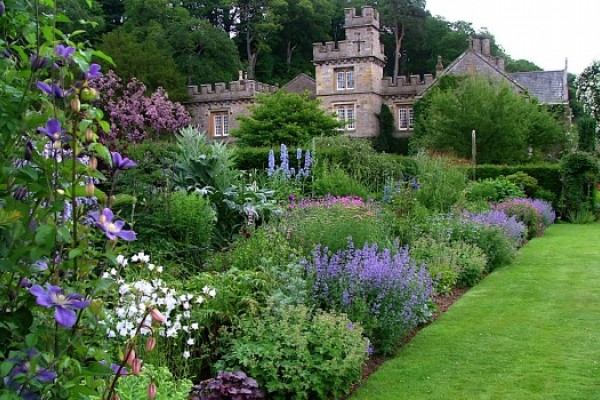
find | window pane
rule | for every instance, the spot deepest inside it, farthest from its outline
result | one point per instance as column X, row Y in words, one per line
column 341, row 80
column 350, row 116
column 350, row 80
column 411, row 118
column 402, row 118
column 225, row 124
column 218, row 125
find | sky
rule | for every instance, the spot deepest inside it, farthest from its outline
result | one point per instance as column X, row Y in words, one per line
column 545, row 32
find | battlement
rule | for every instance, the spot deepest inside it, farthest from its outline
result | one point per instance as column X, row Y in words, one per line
column 237, row 90
column 403, row 85
column 368, row 16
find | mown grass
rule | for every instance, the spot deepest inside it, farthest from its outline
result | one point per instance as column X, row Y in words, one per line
column 528, row 331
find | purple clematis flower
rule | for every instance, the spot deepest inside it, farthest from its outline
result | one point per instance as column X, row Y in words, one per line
column 38, row 62
column 51, row 89
column 65, row 52
column 64, row 306
column 120, row 162
column 93, row 72
column 53, row 130
column 112, row 229
column 23, row 367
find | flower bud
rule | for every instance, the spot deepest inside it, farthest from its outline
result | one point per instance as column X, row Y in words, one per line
column 152, row 391
column 115, row 397
column 76, row 104
column 130, row 357
column 28, row 150
column 89, row 94
column 93, row 163
column 136, row 366
column 38, row 62
column 20, row 193
column 90, row 188
column 150, row 344
column 157, row 316
column 89, row 135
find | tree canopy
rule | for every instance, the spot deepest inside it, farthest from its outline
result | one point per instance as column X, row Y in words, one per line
column 510, row 127
column 284, row 118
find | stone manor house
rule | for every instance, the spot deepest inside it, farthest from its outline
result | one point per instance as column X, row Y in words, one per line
column 349, row 82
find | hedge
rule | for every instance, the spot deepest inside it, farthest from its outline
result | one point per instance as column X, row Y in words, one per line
column 548, row 175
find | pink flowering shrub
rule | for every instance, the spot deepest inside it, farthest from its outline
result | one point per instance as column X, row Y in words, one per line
column 135, row 116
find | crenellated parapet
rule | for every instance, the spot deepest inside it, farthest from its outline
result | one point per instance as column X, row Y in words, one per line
column 406, row 85
column 236, row 90
column 368, row 17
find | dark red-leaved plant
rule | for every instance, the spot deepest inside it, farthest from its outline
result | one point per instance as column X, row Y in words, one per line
column 228, row 386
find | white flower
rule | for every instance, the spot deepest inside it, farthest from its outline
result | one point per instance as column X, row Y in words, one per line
column 113, row 271
column 151, row 266
column 105, row 275
column 122, row 260
column 195, row 326
column 159, row 269
column 186, row 305
column 186, row 354
column 205, row 289
column 190, row 341
column 212, row 292
column 199, row 299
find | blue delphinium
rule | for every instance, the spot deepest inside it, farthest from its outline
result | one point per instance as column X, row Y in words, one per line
column 271, row 169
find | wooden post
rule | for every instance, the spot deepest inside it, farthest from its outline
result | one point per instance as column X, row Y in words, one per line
column 474, row 151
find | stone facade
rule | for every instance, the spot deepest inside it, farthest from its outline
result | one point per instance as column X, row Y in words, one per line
column 349, row 82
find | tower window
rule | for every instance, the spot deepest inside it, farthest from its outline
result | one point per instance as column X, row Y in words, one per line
column 345, row 78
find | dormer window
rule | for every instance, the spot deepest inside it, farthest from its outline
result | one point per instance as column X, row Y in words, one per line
column 345, row 78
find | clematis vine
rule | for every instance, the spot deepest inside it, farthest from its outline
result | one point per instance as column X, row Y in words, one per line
column 65, row 52
column 51, row 89
column 93, row 72
column 112, row 230
column 23, row 367
column 120, row 162
column 53, row 130
column 64, row 306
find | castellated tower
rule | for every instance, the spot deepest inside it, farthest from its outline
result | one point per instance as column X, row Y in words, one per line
column 349, row 73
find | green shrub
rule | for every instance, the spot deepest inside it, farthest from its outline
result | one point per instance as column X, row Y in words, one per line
column 492, row 240
column 174, row 226
column 441, row 182
column 493, row 190
column 297, row 355
column 331, row 225
column 579, row 175
column 547, row 174
column 450, row 263
column 132, row 387
column 335, row 181
column 527, row 183
column 581, row 217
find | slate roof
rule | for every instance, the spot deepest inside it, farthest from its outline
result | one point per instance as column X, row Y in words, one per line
column 550, row 87
column 301, row 84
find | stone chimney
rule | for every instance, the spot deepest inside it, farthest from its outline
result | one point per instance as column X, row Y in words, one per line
column 477, row 45
column 486, row 47
column 240, row 75
column 500, row 63
column 439, row 67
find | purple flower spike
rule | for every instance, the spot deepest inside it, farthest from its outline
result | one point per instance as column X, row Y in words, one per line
column 64, row 306
column 65, row 52
column 120, row 162
column 51, row 90
column 112, row 229
column 53, row 130
column 93, row 72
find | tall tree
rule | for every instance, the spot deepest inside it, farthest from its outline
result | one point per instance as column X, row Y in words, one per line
column 256, row 20
column 397, row 16
column 588, row 90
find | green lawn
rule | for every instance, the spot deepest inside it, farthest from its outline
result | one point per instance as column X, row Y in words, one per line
column 528, row 331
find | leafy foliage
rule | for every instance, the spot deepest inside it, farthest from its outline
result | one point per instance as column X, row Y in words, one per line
column 441, row 182
column 493, row 190
column 297, row 354
column 507, row 124
column 284, row 118
column 579, row 172
column 228, row 385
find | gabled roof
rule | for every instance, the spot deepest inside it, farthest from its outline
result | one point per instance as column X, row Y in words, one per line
column 481, row 65
column 301, row 84
column 550, row 87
